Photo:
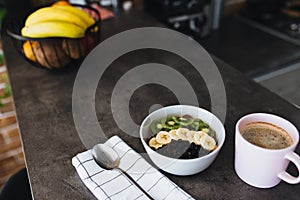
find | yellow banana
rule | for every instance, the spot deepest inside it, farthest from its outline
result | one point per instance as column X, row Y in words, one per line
column 153, row 143
column 208, row 142
column 53, row 29
column 163, row 137
column 54, row 14
column 80, row 13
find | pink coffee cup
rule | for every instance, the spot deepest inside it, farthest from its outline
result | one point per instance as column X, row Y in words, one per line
column 261, row 167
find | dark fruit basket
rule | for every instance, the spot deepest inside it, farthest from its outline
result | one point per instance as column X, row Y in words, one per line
column 56, row 52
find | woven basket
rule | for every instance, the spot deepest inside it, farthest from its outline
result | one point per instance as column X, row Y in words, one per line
column 56, row 52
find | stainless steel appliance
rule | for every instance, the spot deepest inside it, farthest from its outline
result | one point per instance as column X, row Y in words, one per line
column 277, row 17
column 189, row 16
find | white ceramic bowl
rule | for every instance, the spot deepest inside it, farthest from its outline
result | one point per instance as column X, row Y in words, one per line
column 182, row 166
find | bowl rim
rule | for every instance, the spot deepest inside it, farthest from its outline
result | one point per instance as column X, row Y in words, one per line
column 211, row 154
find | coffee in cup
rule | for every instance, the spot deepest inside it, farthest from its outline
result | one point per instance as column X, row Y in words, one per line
column 266, row 135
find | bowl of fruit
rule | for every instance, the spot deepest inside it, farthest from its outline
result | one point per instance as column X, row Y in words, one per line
column 54, row 36
column 182, row 139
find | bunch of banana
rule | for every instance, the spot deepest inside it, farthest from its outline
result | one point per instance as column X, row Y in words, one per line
column 57, row 21
column 197, row 137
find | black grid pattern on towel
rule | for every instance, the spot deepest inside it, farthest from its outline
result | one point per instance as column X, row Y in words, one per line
column 81, row 164
column 100, row 184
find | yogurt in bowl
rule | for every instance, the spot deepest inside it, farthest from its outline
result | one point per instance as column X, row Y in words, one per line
column 170, row 133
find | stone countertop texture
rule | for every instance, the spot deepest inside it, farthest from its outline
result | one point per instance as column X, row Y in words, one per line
column 43, row 102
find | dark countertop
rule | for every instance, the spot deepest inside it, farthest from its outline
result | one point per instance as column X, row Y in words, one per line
column 43, row 102
column 248, row 49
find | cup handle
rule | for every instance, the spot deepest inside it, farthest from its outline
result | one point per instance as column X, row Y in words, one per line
column 292, row 156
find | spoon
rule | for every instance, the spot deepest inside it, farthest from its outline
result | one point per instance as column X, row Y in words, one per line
column 107, row 158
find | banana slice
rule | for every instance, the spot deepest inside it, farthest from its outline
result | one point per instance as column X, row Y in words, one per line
column 153, row 143
column 181, row 133
column 163, row 137
column 173, row 134
column 198, row 135
column 207, row 142
column 190, row 135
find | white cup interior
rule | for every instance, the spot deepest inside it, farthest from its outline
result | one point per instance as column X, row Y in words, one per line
column 272, row 119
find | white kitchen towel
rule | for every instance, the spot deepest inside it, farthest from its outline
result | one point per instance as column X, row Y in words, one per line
column 111, row 184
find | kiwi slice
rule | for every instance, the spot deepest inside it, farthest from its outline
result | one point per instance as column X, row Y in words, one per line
column 168, row 127
column 182, row 121
column 176, row 119
column 202, row 126
column 211, row 133
column 156, row 126
column 186, row 122
column 171, row 123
